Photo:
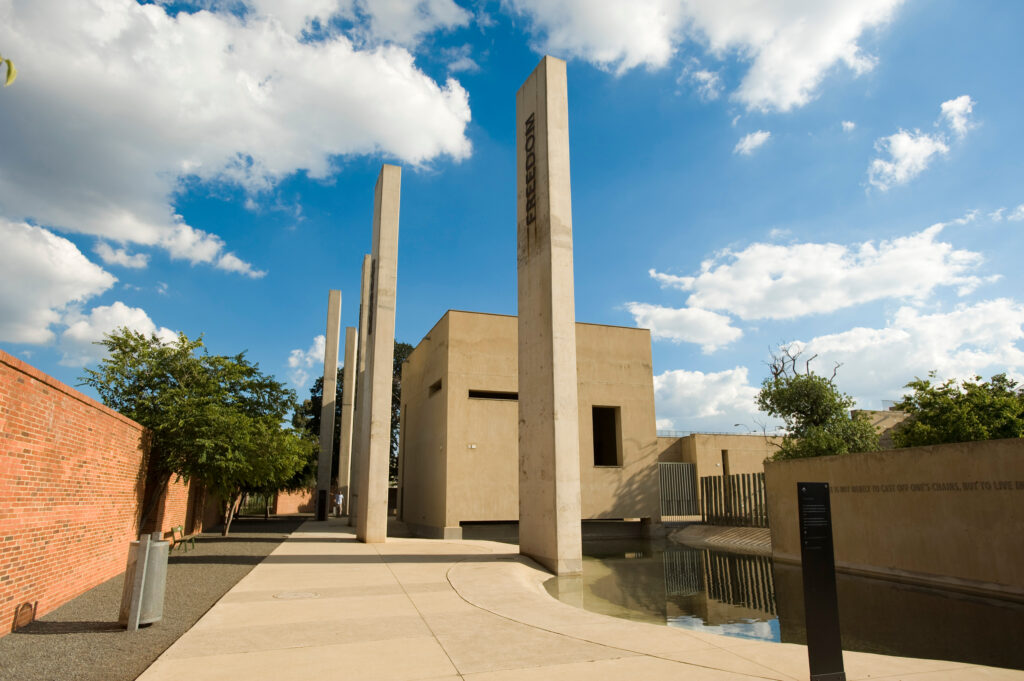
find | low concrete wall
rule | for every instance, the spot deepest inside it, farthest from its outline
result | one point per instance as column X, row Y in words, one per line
column 945, row 515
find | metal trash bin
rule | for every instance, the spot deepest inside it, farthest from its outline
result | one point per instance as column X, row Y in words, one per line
column 154, row 586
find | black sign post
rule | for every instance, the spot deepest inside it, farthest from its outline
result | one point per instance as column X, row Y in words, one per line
column 821, row 607
column 321, row 504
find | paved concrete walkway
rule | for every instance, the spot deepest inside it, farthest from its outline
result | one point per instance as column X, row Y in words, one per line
column 324, row 607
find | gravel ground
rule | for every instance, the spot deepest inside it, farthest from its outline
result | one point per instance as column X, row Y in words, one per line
column 81, row 640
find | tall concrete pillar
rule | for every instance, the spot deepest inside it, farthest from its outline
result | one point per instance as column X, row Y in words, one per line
column 323, row 468
column 549, row 457
column 372, row 519
column 348, row 401
column 362, row 410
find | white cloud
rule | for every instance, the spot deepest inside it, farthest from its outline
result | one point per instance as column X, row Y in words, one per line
column 120, row 256
column 690, row 325
column 459, row 59
column 771, row 281
column 750, row 142
column 78, row 342
column 615, row 34
column 848, row 126
column 405, row 22
column 983, row 338
column 306, row 363
column 708, row 83
column 956, row 112
column 293, row 16
column 232, row 263
column 1018, row 214
column 121, row 106
column 910, row 153
column 694, row 400
column 43, row 273
column 790, row 46
column 967, row 218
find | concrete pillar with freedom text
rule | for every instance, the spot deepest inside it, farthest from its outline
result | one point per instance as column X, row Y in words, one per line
column 371, row 525
column 549, row 460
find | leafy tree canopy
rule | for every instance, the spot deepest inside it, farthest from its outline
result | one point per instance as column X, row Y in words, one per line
column 963, row 411
column 212, row 418
column 816, row 413
column 12, row 72
column 307, row 416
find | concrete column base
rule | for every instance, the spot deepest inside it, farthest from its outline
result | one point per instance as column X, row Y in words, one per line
column 435, row 532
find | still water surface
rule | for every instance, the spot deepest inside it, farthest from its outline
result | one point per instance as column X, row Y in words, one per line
column 747, row 596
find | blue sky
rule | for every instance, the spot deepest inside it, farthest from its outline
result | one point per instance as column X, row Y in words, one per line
column 843, row 175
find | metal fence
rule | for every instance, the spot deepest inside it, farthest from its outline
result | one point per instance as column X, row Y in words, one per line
column 678, row 489
column 734, row 500
column 256, row 504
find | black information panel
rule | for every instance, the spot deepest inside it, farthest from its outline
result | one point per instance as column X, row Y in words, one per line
column 821, row 607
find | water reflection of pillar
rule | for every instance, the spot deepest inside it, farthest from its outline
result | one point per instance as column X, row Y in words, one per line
column 740, row 580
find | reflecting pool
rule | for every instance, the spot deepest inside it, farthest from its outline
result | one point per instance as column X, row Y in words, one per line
column 747, row 596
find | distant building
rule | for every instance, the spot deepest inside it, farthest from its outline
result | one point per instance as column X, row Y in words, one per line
column 459, row 445
column 885, row 423
column 719, row 453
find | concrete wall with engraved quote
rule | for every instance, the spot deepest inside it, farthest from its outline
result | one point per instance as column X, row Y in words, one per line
column 947, row 515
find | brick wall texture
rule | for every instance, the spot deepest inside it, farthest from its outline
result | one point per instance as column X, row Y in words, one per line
column 295, row 502
column 174, row 509
column 72, row 478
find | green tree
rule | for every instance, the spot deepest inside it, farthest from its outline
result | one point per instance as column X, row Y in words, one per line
column 12, row 72
column 307, row 415
column 963, row 411
column 306, row 419
column 211, row 418
column 816, row 414
column 402, row 352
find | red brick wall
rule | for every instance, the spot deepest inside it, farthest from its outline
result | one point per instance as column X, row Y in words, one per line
column 71, row 481
column 295, row 502
column 174, row 509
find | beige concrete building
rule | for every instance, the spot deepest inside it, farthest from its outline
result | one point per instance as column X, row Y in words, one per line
column 719, row 453
column 885, row 422
column 459, row 434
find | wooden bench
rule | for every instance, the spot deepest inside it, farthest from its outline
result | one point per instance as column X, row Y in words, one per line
column 178, row 538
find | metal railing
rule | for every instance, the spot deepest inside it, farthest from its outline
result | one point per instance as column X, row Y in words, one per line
column 256, row 504
column 678, row 489
column 734, row 500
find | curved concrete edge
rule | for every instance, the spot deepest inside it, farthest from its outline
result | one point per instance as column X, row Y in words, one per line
column 749, row 540
column 512, row 586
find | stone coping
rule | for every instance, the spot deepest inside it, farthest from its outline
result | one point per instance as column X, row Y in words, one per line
column 27, row 369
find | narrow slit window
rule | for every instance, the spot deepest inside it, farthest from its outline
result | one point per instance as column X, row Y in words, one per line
column 434, row 388
column 607, row 436
column 492, row 395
